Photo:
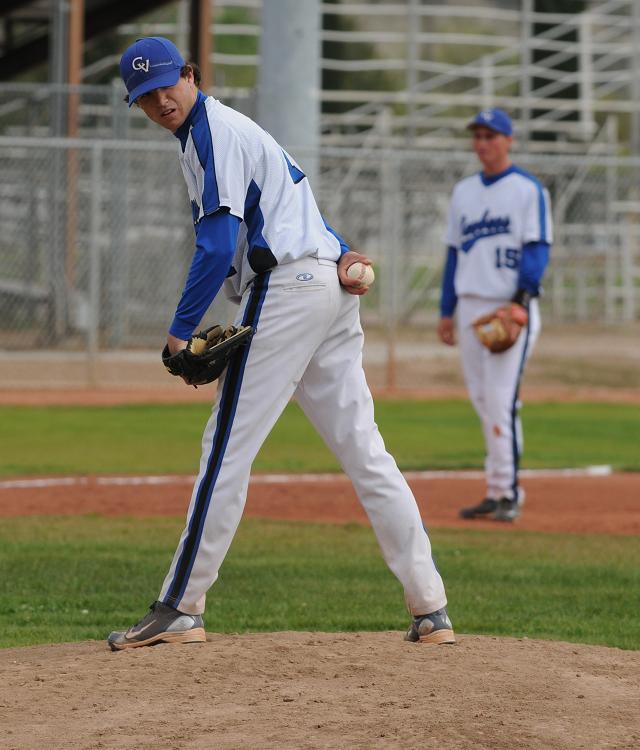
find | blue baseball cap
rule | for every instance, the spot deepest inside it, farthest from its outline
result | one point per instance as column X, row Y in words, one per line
column 494, row 119
column 150, row 63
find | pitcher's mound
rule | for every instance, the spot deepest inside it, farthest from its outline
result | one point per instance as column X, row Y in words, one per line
column 320, row 690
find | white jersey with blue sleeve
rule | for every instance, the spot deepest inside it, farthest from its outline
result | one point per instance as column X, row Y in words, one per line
column 230, row 162
column 490, row 221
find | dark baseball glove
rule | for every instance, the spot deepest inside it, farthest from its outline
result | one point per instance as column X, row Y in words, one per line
column 207, row 354
column 499, row 330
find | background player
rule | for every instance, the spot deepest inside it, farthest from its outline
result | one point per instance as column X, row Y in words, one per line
column 498, row 237
column 260, row 233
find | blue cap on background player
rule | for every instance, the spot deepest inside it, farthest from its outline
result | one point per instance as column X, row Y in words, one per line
column 494, row 119
column 150, row 63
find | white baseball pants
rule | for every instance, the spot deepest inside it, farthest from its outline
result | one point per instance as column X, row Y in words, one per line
column 493, row 382
column 308, row 343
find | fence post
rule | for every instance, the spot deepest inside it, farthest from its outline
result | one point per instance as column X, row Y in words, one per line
column 390, row 191
column 55, row 255
column 626, row 270
column 118, row 177
column 93, row 328
column 634, row 78
column 559, row 262
column 613, row 238
column 586, row 77
column 413, row 26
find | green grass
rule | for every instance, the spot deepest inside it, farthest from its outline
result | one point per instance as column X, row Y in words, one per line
column 421, row 435
column 76, row 578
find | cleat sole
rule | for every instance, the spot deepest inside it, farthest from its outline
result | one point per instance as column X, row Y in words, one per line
column 439, row 637
column 196, row 635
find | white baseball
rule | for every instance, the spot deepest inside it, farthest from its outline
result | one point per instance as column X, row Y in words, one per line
column 362, row 272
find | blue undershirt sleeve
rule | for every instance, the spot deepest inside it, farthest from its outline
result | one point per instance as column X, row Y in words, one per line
column 448, row 297
column 535, row 256
column 216, row 237
column 344, row 248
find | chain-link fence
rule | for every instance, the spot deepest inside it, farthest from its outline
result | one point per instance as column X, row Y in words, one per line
column 97, row 237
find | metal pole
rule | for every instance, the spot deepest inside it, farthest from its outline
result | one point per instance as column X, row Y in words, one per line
column 627, row 270
column 74, row 76
column 558, row 288
column 118, row 180
column 76, row 37
column 635, row 77
column 390, row 191
column 586, row 77
column 487, row 83
column 412, row 71
column 526, row 34
column 182, row 26
column 614, row 240
column 93, row 328
column 59, row 10
column 58, row 63
column 289, row 78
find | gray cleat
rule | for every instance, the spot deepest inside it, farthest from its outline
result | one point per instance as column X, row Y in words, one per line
column 163, row 624
column 508, row 510
column 432, row 628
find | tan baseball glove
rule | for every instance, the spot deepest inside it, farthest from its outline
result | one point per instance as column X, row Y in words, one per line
column 499, row 330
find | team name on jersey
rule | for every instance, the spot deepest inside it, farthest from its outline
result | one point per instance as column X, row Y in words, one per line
column 487, row 226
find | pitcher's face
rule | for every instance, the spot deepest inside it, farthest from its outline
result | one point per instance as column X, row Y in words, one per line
column 169, row 106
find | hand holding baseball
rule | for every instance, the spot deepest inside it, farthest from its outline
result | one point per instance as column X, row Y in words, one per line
column 355, row 273
column 362, row 273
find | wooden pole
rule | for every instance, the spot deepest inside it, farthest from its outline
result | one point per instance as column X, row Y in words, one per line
column 201, row 44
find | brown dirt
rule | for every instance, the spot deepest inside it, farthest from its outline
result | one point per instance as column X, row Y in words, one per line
column 308, row 691
column 175, row 393
column 596, row 504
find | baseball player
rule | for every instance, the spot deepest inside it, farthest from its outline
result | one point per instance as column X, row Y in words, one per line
column 260, row 235
column 498, row 240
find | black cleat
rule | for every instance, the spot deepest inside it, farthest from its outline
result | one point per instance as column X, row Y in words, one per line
column 483, row 510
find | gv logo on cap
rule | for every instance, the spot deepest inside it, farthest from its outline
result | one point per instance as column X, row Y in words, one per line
column 139, row 64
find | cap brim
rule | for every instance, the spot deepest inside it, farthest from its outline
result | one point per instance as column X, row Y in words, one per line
column 170, row 78
column 473, row 125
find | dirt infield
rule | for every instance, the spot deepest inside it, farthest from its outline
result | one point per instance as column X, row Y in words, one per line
column 585, row 504
column 175, row 393
column 308, row 691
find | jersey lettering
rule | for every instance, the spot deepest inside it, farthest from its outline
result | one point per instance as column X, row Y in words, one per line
column 487, row 226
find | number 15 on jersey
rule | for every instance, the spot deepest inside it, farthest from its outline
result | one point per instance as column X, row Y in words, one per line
column 507, row 257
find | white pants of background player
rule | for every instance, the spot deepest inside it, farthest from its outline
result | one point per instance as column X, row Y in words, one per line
column 308, row 343
column 493, row 382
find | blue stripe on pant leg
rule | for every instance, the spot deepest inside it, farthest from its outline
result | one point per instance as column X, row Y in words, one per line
column 514, row 416
column 226, row 413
